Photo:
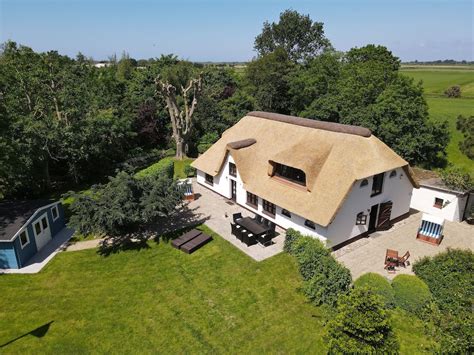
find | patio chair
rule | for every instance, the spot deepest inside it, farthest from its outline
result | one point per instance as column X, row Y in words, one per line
column 266, row 222
column 233, row 228
column 236, row 216
column 258, row 219
column 265, row 239
column 251, row 240
column 404, row 259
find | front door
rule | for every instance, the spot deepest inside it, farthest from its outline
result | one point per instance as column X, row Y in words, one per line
column 233, row 190
column 385, row 212
column 42, row 231
column 373, row 218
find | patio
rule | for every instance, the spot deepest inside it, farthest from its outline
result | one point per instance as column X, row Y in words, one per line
column 368, row 254
column 217, row 211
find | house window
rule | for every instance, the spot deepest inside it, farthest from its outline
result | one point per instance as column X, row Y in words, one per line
column 309, row 224
column 209, row 179
column 438, row 202
column 44, row 222
column 286, row 213
column 269, row 208
column 393, row 173
column 292, row 174
column 55, row 212
column 377, row 185
column 37, row 228
column 361, row 219
column 24, row 240
column 252, row 199
column 232, row 170
column 364, row 182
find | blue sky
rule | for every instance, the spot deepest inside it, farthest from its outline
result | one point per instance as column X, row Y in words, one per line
column 212, row 30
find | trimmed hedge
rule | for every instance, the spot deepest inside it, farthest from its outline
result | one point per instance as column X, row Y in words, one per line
column 412, row 294
column 324, row 278
column 164, row 166
column 379, row 286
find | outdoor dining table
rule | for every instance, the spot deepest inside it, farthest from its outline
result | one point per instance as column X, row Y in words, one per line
column 252, row 226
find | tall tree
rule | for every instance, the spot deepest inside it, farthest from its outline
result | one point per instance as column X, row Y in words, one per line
column 181, row 94
column 466, row 126
column 297, row 34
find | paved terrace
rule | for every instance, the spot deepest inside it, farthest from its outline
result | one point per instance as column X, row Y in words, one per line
column 368, row 254
column 216, row 211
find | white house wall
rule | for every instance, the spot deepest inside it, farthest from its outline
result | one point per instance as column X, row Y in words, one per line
column 423, row 199
column 397, row 189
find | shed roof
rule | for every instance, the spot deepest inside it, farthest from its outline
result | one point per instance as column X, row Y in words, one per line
column 14, row 214
column 431, row 179
column 333, row 157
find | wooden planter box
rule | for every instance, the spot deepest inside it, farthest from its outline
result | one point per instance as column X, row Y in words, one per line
column 429, row 240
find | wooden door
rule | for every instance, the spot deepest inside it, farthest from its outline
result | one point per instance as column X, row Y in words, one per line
column 385, row 212
column 373, row 218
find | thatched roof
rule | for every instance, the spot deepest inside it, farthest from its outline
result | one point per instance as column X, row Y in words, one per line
column 333, row 157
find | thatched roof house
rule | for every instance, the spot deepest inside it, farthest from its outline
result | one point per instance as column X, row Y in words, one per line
column 332, row 156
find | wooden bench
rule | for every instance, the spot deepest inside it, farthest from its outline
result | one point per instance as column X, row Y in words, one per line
column 195, row 243
column 185, row 238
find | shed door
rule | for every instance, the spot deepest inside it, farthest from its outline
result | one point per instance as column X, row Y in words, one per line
column 385, row 212
column 42, row 231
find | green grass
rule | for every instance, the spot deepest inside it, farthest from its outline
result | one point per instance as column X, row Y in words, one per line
column 179, row 166
column 436, row 81
column 160, row 299
column 441, row 108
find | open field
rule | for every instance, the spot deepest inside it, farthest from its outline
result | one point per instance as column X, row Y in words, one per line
column 441, row 108
column 159, row 299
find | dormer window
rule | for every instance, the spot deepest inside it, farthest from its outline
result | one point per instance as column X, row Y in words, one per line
column 291, row 174
column 364, row 182
column 393, row 174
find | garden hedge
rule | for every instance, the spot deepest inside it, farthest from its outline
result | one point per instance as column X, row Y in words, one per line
column 165, row 166
column 412, row 294
column 379, row 286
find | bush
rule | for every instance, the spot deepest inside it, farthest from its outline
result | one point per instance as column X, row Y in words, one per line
column 164, row 166
column 362, row 326
column 291, row 237
column 206, row 141
column 450, row 277
column 412, row 294
column 379, row 285
column 453, row 91
column 325, row 286
column 324, row 278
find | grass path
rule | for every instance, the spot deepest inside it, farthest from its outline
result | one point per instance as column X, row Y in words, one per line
column 159, row 299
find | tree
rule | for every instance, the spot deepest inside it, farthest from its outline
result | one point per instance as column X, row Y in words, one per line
column 361, row 326
column 181, row 106
column 453, row 91
column 269, row 77
column 466, row 126
column 296, row 34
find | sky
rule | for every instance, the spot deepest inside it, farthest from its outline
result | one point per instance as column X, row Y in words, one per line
column 223, row 30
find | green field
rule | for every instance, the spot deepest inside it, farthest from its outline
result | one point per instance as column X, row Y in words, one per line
column 435, row 81
column 159, row 299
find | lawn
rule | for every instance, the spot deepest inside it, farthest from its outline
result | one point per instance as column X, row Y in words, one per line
column 441, row 108
column 160, row 299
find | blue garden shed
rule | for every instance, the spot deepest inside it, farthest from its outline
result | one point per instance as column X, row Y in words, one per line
column 25, row 228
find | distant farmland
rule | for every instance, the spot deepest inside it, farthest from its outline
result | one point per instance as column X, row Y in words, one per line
column 436, row 79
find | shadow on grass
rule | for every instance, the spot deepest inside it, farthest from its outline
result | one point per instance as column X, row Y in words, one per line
column 38, row 333
column 164, row 230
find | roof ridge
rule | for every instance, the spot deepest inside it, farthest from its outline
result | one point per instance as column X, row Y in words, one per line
column 306, row 122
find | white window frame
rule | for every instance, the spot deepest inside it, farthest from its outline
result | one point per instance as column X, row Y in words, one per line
column 57, row 212
column 27, row 238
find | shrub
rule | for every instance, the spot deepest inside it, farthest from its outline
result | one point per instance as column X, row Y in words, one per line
column 457, row 179
column 206, row 141
column 324, row 278
column 325, row 286
column 379, row 285
column 164, row 166
column 450, row 277
column 291, row 237
column 412, row 294
column 453, row 91
column 362, row 326
column 189, row 171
